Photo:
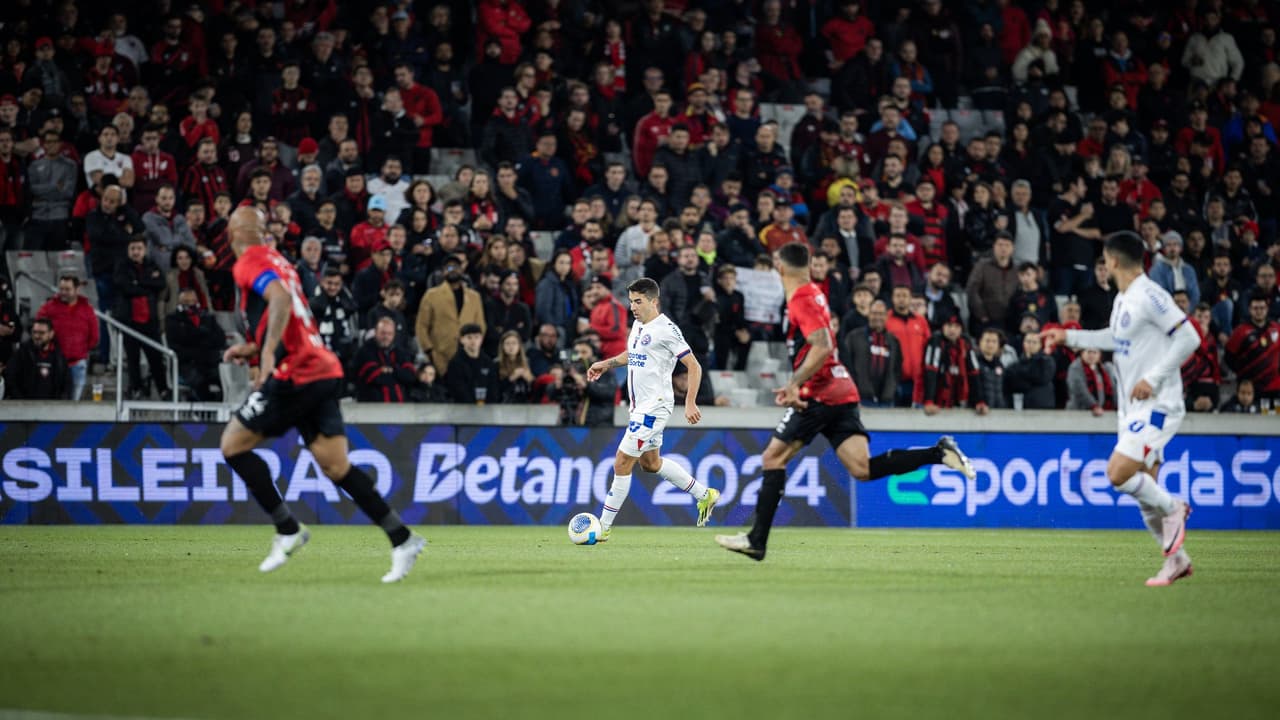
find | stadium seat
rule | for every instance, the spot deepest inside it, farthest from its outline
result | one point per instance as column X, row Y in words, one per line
column 30, row 295
column 446, row 161
column 235, row 383
column 787, row 117
column 611, row 157
column 68, row 261
column 741, row 397
column 723, row 381
column 544, row 244
column 437, row 181
column 969, row 121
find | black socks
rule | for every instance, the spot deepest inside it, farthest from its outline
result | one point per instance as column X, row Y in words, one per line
column 897, row 462
column 362, row 491
column 256, row 475
column 771, row 490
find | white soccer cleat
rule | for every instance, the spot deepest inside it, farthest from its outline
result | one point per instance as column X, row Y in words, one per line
column 403, row 556
column 1174, row 526
column 740, row 543
column 282, row 546
column 1176, row 567
column 953, row 457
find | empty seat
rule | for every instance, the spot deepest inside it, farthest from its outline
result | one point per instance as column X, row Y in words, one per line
column 544, row 243
column 235, row 383
column 742, row 397
column 723, row 381
column 446, row 161
column 67, row 261
column 787, row 117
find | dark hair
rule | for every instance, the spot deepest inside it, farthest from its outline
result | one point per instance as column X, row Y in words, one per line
column 42, row 321
column 644, row 286
column 332, row 271
column 1126, row 247
column 1027, row 266
column 1259, row 296
column 794, row 255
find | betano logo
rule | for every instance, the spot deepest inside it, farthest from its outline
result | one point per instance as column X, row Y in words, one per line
column 1071, row 481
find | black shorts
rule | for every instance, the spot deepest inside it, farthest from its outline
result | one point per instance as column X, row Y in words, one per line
column 837, row 422
column 278, row 406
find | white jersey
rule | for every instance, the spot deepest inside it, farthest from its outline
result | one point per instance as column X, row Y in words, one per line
column 653, row 349
column 1151, row 339
column 98, row 161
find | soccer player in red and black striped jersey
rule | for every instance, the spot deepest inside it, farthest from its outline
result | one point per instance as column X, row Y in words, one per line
column 299, row 382
column 1253, row 351
column 821, row 398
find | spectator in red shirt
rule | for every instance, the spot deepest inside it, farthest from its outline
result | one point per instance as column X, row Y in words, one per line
column 104, row 88
column 651, row 132
column 847, row 33
column 778, row 46
column 75, row 329
column 153, row 168
column 423, row 106
column 205, row 178
column 198, row 125
column 505, row 20
column 912, row 332
column 1253, row 351
column 782, row 231
column 368, row 234
column 608, row 316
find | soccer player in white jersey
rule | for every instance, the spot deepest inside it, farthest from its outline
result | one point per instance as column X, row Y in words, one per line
column 1151, row 338
column 653, row 349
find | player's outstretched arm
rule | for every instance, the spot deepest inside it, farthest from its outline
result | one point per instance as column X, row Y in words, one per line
column 691, row 412
column 599, row 368
column 1098, row 339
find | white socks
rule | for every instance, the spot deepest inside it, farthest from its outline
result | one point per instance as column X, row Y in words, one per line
column 1148, row 493
column 669, row 471
column 613, row 503
column 678, row 476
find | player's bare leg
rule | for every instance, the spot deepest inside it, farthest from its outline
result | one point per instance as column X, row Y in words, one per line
column 774, row 460
column 1177, row 565
column 332, row 454
column 1132, row 477
column 237, row 444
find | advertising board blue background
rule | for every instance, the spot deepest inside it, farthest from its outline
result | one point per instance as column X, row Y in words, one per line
column 173, row 473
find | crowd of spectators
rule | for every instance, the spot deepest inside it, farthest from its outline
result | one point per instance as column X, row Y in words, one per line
column 633, row 133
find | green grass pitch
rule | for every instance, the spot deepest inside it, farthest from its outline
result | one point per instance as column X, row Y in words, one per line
column 660, row 623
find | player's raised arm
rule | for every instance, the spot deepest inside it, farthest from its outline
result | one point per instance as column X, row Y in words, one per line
column 691, row 412
column 1098, row 339
column 602, row 366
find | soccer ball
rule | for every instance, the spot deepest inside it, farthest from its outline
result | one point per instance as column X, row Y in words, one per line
column 584, row 529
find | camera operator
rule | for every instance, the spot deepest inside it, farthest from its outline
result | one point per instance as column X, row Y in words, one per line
column 582, row 403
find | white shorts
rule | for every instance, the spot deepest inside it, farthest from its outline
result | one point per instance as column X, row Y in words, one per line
column 1144, row 433
column 644, row 433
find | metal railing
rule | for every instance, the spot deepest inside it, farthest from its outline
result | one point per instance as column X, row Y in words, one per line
column 171, row 357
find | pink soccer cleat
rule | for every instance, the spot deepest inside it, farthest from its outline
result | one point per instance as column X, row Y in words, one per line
column 1175, row 528
column 1175, row 568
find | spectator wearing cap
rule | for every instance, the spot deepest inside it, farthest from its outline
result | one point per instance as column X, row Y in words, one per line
column 1171, row 272
column 44, row 71
column 782, row 231
column 52, row 183
column 391, row 185
column 282, row 184
column 505, row 313
column 444, row 309
column 75, row 329
column 104, row 88
column 948, row 367
column 368, row 284
column 606, row 315
column 472, row 378
column 1211, row 53
column 369, row 233
column 383, row 367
